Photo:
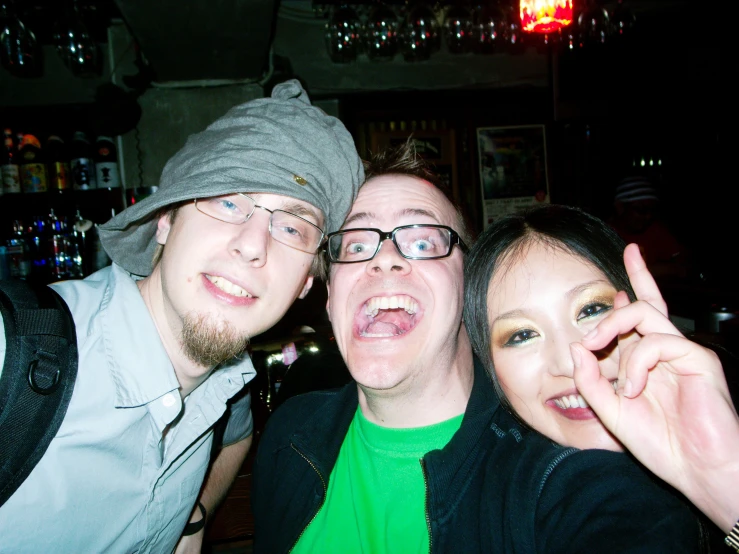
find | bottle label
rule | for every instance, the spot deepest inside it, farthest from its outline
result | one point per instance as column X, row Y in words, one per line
column 108, row 175
column 11, row 179
column 83, row 174
column 59, row 176
column 18, row 262
column 33, row 177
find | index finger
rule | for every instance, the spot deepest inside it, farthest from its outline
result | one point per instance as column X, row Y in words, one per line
column 640, row 316
column 641, row 279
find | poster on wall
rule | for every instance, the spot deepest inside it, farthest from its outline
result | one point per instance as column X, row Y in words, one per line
column 513, row 169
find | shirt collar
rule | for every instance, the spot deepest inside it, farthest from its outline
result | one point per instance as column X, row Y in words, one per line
column 138, row 362
column 135, row 354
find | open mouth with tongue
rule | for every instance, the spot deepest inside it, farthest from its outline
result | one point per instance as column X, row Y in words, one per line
column 387, row 316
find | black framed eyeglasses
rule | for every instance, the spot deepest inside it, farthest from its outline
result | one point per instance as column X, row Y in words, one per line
column 285, row 227
column 414, row 242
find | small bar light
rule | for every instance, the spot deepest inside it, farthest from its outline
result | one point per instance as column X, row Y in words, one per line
column 545, row 16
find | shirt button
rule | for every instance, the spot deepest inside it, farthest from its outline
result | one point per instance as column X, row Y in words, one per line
column 168, row 400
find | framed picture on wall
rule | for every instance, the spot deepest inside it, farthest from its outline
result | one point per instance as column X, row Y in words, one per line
column 513, row 169
column 438, row 147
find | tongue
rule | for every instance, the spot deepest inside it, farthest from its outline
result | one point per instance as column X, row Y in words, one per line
column 382, row 328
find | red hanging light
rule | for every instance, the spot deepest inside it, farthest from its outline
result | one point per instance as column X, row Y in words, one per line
column 545, row 16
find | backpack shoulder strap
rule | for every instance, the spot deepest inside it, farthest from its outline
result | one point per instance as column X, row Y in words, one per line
column 37, row 378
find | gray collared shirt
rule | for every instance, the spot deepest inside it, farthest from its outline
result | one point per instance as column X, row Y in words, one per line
column 112, row 480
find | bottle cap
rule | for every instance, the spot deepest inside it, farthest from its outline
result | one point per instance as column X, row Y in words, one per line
column 31, row 140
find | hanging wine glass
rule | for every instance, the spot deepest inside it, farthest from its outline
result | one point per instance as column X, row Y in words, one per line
column 458, row 25
column 75, row 46
column 96, row 15
column 20, row 52
column 512, row 32
column 488, row 29
column 569, row 36
column 381, row 33
column 419, row 34
column 593, row 24
column 622, row 20
column 343, row 34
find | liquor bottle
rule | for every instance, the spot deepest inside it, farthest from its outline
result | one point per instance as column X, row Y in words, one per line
column 106, row 163
column 38, row 243
column 9, row 165
column 31, row 165
column 81, row 162
column 17, row 252
column 56, row 247
column 83, row 233
column 58, row 164
column 75, row 246
column 108, row 174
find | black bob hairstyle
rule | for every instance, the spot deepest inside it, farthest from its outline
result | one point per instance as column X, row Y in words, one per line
column 507, row 240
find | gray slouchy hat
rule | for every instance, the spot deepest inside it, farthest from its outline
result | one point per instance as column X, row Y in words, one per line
column 278, row 145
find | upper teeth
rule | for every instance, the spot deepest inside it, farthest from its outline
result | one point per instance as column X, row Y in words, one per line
column 378, row 303
column 575, row 400
column 571, row 401
column 227, row 286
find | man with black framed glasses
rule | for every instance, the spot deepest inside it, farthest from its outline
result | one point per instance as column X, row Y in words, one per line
column 216, row 256
column 348, row 462
column 414, row 242
column 418, row 454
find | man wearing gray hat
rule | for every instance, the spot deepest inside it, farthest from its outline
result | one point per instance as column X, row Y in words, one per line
column 216, row 256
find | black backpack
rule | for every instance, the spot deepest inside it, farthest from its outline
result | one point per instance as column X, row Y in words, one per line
column 37, row 378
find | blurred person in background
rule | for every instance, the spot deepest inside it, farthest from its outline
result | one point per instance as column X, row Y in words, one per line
column 637, row 219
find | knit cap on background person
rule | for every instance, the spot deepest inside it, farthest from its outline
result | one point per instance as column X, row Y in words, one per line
column 637, row 220
column 634, row 189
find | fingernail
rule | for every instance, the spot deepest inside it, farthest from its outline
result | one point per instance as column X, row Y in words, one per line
column 576, row 356
column 591, row 334
column 628, row 387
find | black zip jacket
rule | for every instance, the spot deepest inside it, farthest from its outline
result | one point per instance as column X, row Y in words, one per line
column 496, row 487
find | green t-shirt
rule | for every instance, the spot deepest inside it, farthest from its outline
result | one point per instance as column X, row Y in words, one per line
column 376, row 498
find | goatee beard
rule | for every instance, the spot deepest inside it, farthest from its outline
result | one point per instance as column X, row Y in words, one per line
column 210, row 343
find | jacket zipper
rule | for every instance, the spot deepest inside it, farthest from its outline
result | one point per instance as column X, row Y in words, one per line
column 553, row 464
column 323, row 499
column 426, row 502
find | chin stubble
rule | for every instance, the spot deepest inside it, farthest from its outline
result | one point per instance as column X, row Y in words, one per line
column 209, row 343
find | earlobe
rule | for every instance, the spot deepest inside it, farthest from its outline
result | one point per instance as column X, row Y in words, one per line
column 306, row 287
column 163, row 227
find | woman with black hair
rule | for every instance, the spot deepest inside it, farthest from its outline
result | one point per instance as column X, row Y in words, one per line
column 575, row 335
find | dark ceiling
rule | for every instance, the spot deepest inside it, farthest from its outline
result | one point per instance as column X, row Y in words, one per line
column 230, row 40
column 195, row 40
column 186, row 40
